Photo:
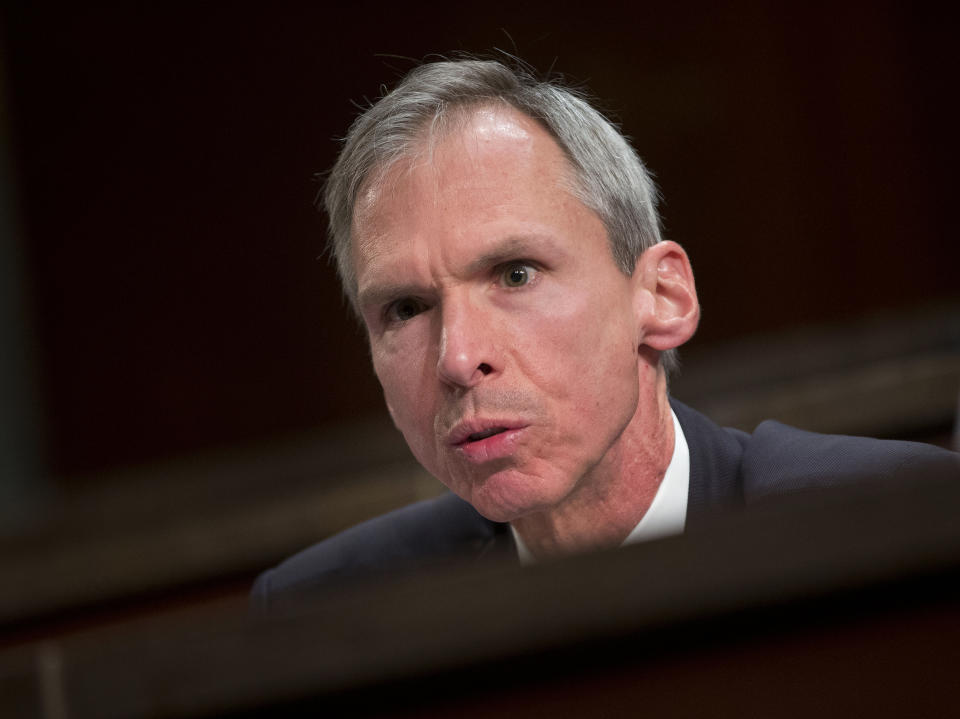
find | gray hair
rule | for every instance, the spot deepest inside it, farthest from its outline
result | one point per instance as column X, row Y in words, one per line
column 608, row 175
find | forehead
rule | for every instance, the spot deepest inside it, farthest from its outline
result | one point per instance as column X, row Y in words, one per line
column 491, row 131
column 485, row 162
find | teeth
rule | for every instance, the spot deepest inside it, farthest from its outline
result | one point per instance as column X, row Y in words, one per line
column 476, row 436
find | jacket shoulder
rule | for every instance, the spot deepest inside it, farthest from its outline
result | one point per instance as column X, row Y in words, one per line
column 780, row 459
column 426, row 531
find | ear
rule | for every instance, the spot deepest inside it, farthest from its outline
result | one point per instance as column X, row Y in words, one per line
column 670, row 311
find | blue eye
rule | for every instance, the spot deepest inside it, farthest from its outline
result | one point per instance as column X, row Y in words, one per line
column 404, row 309
column 517, row 274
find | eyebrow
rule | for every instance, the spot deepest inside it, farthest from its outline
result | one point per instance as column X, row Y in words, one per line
column 381, row 294
column 512, row 247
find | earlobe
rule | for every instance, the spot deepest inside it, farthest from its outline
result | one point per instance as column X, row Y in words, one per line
column 670, row 311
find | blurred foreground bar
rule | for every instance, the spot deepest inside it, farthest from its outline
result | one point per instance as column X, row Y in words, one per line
column 837, row 604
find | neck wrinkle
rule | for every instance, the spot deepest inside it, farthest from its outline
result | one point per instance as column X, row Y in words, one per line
column 604, row 510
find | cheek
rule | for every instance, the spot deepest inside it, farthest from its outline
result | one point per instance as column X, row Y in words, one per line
column 584, row 343
column 402, row 375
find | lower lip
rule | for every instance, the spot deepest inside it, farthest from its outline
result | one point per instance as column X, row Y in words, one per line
column 496, row 446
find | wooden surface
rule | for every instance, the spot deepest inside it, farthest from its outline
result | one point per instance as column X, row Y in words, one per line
column 846, row 601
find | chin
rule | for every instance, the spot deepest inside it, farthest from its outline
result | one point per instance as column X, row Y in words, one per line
column 506, row 497
column 497, row 511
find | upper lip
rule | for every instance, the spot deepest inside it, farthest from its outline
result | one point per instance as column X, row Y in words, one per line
column 462, row 431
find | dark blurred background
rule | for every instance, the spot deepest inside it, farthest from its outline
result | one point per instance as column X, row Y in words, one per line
column 185, row 380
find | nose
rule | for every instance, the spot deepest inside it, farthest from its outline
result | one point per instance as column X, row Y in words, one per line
column 466, row 354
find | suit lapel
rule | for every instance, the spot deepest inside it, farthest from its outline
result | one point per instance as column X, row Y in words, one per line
column 715, row 453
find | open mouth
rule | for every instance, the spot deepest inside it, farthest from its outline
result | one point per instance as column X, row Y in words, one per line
column 477, row 436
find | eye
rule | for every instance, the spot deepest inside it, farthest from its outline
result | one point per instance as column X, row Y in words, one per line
column 403, row 309
column 517, row 274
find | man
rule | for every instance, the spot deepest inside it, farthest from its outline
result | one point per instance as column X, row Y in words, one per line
column 500, row 240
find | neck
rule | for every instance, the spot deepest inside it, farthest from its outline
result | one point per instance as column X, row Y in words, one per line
column 610, row 500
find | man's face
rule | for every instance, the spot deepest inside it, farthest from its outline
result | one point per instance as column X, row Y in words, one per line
column 502, row 332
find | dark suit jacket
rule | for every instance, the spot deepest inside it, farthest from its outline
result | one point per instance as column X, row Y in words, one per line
column 729, row 469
